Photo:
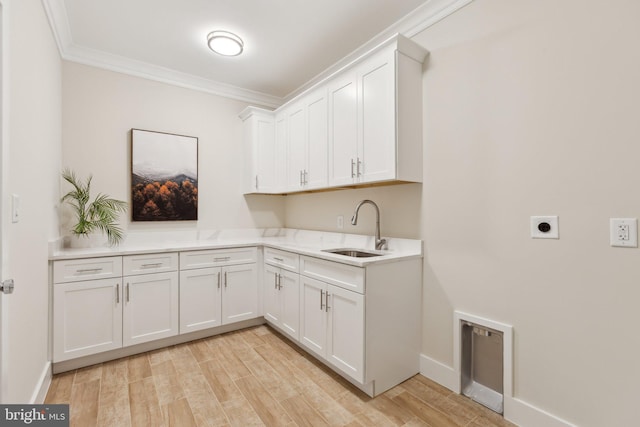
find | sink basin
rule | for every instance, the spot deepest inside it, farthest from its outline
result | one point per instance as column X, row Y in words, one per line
column 355, row 253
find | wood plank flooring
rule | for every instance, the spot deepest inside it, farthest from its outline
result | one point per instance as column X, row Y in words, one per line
column 252, row 377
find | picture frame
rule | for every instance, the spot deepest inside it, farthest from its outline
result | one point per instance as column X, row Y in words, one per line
column 164, row 176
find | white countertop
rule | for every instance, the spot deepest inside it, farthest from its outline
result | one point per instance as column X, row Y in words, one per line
column 303, row 242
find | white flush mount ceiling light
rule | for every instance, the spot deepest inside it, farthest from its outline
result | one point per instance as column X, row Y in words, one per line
column 225, row 43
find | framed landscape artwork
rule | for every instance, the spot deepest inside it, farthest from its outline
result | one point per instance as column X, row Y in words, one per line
column 164, row 176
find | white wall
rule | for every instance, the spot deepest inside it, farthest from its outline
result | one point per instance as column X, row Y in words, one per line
column 34, row 159
column 531, row 108
column 400, row 210
column 99, row 109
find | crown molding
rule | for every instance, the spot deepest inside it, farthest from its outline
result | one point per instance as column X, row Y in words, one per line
column 148, row 71
column 409, row 26
column 69, row 51
column 415, row 22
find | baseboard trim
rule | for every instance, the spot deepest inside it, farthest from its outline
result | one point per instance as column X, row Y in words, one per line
column 524, row 414
column 440, row 373
column 516, row 410
column 40, row 393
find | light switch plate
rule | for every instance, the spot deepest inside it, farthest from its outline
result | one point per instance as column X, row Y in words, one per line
column 15, row 208
column 544, row 227
column 623, row 232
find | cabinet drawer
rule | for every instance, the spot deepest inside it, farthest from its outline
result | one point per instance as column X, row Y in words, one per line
column 342, row 275
column 217, row 257
column 287, row 260
column 149, row 263
column 75, row 270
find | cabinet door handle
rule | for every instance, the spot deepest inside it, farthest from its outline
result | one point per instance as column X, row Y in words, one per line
column 150, row 265
column 275, row 280
column 279, row 281
column 326, row 304
column 321, row 298
column 117, row 293
column 358, row 168
column 89, row 270
column 305, row 174
column 218, row 280
column 353, row 164
column 256, row 182
column 300, row 178
column 127, row 292
column 225, row 279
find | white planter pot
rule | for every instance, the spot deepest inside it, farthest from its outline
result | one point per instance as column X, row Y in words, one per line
column 82, row 241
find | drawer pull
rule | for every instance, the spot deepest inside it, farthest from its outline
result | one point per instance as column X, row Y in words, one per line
column 151, row 265
column 89, row 270
column 278, row 259
column 224, row 258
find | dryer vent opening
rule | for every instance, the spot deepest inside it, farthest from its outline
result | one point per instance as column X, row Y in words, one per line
column 482, row 365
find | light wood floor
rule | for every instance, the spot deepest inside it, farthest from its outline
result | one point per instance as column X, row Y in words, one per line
column 248, row 378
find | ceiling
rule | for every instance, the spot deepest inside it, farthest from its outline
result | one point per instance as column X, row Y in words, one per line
column 288, row 43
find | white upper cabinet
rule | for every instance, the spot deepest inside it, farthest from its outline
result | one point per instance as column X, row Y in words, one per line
column 361, row 126
column 296, row 146
column 343, row 130
column 375, row 109
column 307, row 142
column 377, row 142
column 316, row 128
column 260, row 151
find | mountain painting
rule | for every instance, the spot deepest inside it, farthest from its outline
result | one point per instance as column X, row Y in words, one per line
column 164, row 176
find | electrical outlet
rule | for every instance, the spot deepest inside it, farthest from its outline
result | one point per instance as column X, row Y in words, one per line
column 623, row 232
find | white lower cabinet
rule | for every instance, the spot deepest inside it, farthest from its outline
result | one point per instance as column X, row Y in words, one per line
column 281, row 291
column 281, row 299
column 87, row 317
column 102, row 304
column 150, row 307
column 213, row 295
column 239, row 293
column 364, row 322
column 200, row 299
column 332, row 325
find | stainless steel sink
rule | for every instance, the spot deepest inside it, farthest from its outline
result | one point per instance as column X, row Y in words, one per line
column 355, row 253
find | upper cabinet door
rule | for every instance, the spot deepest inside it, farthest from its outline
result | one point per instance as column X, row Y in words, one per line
column 266, row 154
column 260, row 151
column 343, row 130
column 281, row 131
column 296, row 147
column 315, row 174
column 377, row 143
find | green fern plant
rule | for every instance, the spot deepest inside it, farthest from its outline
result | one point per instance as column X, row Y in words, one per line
column 101, row 214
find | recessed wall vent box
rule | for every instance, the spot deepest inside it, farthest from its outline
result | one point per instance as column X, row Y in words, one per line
column 481, row 365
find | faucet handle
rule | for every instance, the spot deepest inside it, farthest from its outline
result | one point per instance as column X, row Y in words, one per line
column 381, row 244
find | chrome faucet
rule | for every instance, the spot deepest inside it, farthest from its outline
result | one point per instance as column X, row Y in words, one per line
column 380, row 243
